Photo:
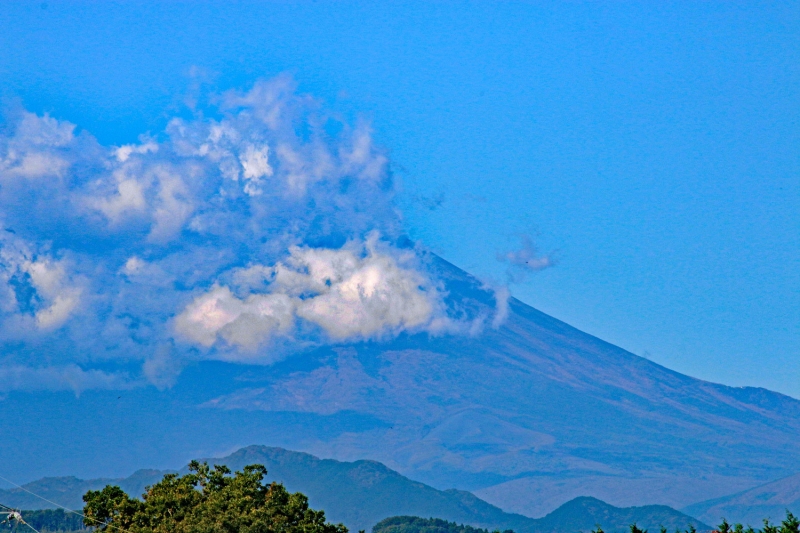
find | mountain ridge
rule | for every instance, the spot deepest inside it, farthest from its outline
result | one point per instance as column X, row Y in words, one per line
column 362, row 493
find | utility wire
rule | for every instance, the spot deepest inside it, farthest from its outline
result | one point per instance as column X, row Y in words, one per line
column 85, row 519
column 15, row 515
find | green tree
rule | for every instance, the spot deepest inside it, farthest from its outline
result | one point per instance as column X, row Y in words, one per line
column 769, row 528
column 207, row 501
column 791, row 524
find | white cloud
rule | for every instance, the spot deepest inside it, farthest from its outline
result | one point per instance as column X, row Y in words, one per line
column 352, row 292
column 124, row 152
column 44, row 131
column 246, row 323
column 525, row 260
column 35, row 165
column 59, row 310
column 502, row 297
column 50, row 280
column 360, row 297
column 131, row 236
column 255, row 165
column 55, row 295
column 128, row 196
column 34, row 151
column 162, row 369
column 173, row 207
column 134, row 266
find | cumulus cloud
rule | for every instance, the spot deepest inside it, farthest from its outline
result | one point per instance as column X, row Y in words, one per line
column 245, row 226
column 247, row 322
column 355, row 292
column 34, row 152
column 36, row 286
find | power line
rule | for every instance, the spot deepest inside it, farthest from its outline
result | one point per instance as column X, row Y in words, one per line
column 13, row 514
column 85, row 518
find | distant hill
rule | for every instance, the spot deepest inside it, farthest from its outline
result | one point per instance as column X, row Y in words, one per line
column 68, row 491
column 585, row 513
column 770, row 500
column 359, row 494
column 579, row 515
column 362, row 493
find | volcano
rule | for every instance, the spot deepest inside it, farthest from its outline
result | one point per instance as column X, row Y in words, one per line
column 527, row 413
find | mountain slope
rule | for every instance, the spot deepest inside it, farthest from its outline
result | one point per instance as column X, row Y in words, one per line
column 770, row 500
column 527, row 415
column 535, row 407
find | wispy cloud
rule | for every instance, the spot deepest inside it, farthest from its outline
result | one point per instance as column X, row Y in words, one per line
column 525, row 260
column 63, row 377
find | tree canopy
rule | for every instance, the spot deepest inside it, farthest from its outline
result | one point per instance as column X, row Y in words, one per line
column 415, row 524
column 207, row 500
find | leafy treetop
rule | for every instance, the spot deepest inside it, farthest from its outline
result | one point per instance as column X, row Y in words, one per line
column 207, row 501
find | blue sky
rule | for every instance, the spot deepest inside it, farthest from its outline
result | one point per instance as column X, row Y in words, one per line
column 651, row 150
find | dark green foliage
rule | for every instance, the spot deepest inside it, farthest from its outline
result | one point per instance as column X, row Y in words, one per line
column 790, row 524
column 207, row 501
column 415, row 524
column 54, row 521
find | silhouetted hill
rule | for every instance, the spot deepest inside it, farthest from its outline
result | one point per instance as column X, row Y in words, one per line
column 68, row 491
column 359, row 494
column 362, row 493
column 585, row 513
column 770, row 500
column 581, row 514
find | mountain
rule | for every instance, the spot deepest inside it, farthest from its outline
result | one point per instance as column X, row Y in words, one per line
column 770, row 500
column 534, row 413
column 68, row 491
column 362, row 493
column 517, row 407
column 585, row 514
column 581, row 514
column 359, row 494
